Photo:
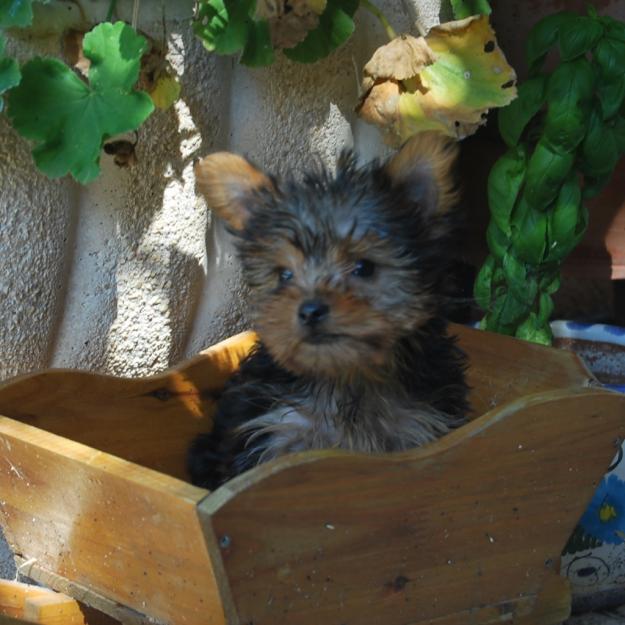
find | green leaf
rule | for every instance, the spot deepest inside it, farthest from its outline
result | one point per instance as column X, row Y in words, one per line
column 529, row 238
column 258, row 50
column 483, row 284
column 566, row 221
column 510, row 309
column 569, row 94
column 611, row 95
column 467, row 8
column 514, row 118
column 610, row 56
column 335, row 27
column 546, row 171
column 578, row 35
column 497, row 240
column 615, row 29
column 535, row 331
column 515, row 273
column 504, row 183
column 543, row 37
column 10, row 75
column 16, row 13
column 550, row 282
column 224, row 25
column 599, row 150
column 68, row 119
column 545, row 308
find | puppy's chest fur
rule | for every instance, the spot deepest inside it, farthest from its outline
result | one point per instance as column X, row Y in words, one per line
column 267, row 411
column 368, row 418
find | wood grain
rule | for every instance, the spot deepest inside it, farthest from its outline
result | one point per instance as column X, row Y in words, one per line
column 474, row 522
column 123, row 531
column 149, row 421
column 38, row 605
column 503, row 369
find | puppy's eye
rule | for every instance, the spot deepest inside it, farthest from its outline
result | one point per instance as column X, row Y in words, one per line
column 285, row 275
column 363, row 268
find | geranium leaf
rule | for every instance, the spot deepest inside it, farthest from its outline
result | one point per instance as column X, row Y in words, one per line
column 69, row 119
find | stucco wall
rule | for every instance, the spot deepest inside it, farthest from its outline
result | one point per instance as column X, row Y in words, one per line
column 130, row 273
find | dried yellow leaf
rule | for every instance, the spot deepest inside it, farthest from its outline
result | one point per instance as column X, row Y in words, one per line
column 447, row 81
column 165, row 92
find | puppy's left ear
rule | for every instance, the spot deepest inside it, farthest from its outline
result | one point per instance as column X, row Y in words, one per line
column 424, row 165
column 229, row 182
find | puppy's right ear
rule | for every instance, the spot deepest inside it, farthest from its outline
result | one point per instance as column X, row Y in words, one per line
column 228, row 182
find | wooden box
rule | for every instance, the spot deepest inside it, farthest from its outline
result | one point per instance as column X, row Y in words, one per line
column 467, row 530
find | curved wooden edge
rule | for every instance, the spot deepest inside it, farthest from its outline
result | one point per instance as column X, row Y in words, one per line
column 220, row 497
column 503, row 368
column 477, row 518
column 149, row 421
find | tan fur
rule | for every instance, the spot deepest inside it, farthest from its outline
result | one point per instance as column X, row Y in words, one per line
column 226, row 180
column 428, row 156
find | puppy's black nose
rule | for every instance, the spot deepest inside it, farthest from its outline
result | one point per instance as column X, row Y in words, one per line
column 312, row 312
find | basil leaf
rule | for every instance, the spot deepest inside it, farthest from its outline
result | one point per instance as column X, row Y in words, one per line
column 578, row 36
column 514, row 118
column 546, row 170
column 569, row 94
column 543, row 37
column 483, row 284
column 504, row 183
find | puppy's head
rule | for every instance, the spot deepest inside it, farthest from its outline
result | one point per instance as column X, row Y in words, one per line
column 341, row 265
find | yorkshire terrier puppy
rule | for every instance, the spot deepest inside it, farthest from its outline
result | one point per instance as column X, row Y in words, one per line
column 346, row 273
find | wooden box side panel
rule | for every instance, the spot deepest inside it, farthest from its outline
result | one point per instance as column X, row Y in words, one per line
column 149, row 421
column 503, row 369
column 477, row 519
column 128, row 533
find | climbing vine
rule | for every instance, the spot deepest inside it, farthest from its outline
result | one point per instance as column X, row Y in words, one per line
column 565, row 134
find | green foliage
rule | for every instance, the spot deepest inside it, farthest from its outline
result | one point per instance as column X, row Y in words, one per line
column 565, row 134
column 229, row 27
column 232, row 27
column 16, row 13
column 9, row 72
column 68, row 119
column 335, row 27
column 466, row 8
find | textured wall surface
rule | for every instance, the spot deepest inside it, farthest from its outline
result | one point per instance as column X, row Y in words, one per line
column 130, row 274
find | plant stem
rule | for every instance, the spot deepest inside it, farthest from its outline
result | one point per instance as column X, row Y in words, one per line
column 109, row 14
column 369, row 6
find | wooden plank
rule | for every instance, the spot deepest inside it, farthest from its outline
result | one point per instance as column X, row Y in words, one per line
column 38, row 605
column 52, row 610
column 98, row 610
column 13, row 596
column 504, row 369
column 126, row 532
column 478, row 518
column 149, row 421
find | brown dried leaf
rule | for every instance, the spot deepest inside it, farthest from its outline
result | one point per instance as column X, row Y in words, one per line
column 402, row 58
column 290, row 20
